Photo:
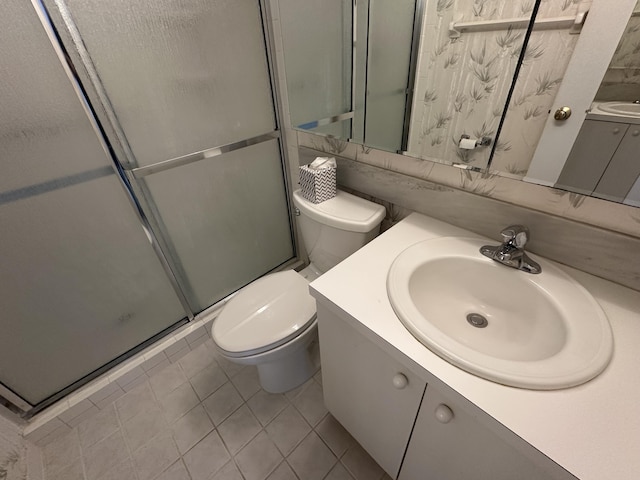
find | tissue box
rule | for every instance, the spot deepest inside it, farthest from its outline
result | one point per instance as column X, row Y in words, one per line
column 317, row 185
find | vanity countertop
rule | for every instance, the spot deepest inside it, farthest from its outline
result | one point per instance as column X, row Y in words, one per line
column 592, row 430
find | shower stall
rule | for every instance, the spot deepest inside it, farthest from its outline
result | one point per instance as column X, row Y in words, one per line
column 143, row 179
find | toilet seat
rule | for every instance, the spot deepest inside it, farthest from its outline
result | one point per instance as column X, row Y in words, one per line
column 264, row 315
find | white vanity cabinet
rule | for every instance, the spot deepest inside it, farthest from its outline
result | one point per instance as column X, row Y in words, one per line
column 371, row 394
column 389, row 409
column 454, row 440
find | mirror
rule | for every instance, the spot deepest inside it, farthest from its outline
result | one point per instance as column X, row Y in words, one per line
column 594, row 151
column 562, row 65
column 408, row 76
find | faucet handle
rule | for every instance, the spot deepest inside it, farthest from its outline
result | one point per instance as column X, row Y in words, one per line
column 517, row 235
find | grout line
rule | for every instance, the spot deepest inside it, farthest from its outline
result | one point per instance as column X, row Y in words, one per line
column 126, row 441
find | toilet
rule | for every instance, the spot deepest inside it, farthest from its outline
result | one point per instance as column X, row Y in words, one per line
column 271, row 323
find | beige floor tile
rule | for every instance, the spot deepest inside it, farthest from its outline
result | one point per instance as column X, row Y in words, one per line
column 259, row 458
column 237, row 430
column 312, row 459
column 198, row 359
column 144, row 427
column 136, row 401
column 334, row 435
column 291, row 394
column 191, row 428
column 246, row 382
column 208, row 380
column 62, row 452
column 228, row 472
column 338, row 472
column 155, row 456
column 167, row 380
column 288, row 429
column 361, row 465
column 177, row 471
column 283, row 472
column 100, row 426
column 222, row 403
column 310, row 403
column 266, row 406
column 121, row 471
column 179, row 402
column 74, row 471
column 207, row 457
column 104, row 455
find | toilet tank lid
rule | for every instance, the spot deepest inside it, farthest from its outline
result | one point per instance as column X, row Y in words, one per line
column 344, row 211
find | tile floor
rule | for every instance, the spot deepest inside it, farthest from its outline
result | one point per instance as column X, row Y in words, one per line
column 204, row 418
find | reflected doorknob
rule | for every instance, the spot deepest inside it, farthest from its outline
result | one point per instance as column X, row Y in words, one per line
column 562, row 113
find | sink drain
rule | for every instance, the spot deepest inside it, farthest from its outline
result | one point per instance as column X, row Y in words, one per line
column 477, row 320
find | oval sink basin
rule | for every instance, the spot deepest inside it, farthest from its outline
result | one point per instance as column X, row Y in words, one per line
column 628, row 109
column 540, row 332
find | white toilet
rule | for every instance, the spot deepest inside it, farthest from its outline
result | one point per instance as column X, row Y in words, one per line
column 271, row 323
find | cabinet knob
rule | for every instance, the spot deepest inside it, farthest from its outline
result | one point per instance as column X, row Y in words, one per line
column 635, row 133
column 400, row 381
column 616, row 130
column 443, row 413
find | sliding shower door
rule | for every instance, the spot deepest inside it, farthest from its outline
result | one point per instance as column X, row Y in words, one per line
column 188, row 87
column 80, row 283
column 142, row 178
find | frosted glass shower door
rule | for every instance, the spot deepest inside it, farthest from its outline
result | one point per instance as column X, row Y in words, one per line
column 388, row 63
column 80, row 283
column 227, row 218
column 188, row 81
column 318, row 40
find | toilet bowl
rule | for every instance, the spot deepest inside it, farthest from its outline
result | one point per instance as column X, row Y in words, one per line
column 271, row 323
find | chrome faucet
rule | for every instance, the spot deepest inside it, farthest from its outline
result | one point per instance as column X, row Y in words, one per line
column 511, row 252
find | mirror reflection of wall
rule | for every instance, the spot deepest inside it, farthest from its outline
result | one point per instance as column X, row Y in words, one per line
column 544, row 64
column 457, row 85
column 463, row 81
column 594, row 151
column 417, row 86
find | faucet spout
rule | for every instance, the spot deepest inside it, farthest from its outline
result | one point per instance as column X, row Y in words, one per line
column 511, row 252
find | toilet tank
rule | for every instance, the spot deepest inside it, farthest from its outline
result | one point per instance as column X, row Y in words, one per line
column 334, row 229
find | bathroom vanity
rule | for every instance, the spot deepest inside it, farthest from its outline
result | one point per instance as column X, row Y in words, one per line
column 419, row 416
column 602, row 161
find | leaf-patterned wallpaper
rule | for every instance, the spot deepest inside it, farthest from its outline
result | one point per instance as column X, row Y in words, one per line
column 544, row 65
column 462, row 84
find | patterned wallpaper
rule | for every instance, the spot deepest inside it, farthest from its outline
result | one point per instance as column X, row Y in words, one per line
column 587, row 210
column 545, row 62
column 462, row 83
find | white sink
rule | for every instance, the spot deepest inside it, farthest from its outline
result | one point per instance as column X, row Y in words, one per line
column 543, row 331
column 628, row 109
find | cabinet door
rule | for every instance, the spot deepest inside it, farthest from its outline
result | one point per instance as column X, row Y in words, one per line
column 590, row 155
column 454, row 440
column 623, row 170
column 370, row 393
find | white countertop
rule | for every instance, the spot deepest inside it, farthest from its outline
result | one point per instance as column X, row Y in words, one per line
column 592, row 430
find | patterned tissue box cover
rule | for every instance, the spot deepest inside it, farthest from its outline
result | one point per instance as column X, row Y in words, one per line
column 317, row 185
